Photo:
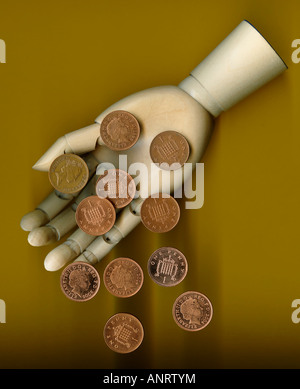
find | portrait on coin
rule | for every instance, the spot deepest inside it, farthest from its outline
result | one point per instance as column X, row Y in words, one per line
column 122, row 277
column 117, row 131
column 68, row 172
column 191, row 311
column 79, row 282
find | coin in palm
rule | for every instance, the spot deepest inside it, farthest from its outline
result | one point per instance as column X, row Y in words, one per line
column 119, row 130
column 95, row 215
column 68, row 173
column 160, row 213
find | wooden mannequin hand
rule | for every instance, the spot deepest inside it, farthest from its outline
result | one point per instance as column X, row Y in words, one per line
column 157, row 110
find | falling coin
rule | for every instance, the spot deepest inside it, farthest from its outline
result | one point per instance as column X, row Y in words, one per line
column 123, row 277
column 160, row 213
column 192, row 311
column 119, row 130
column 169, row 148
column 167, row 266
column 123, row 333
column 95, row 216
column 80, row 281
column 68, row 173
column 117, row 186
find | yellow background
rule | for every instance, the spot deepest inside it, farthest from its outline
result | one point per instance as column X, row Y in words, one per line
column 69, row 60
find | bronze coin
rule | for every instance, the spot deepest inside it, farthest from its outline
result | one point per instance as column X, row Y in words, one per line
column 123, row 277
column 95, row 216
column 192, row 311
column 169, row 148
column 167, row 266
column 123, row 333
column 119, row 130
column 68, row 173
column 80, row 281
column 117, row 186
column 160, row 213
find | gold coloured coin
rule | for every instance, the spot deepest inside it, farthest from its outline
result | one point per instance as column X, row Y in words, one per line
column 68, row 173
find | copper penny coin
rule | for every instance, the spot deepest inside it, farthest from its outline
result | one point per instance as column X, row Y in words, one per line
column 123, row 277
column 160, row 213
column 68, row 173
column 117, row 186
column 192, row 311
column 119, row 130
column 123, row 333
column 80, row 281
column 95, row 216
column 167, row 266
column 170, row 150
